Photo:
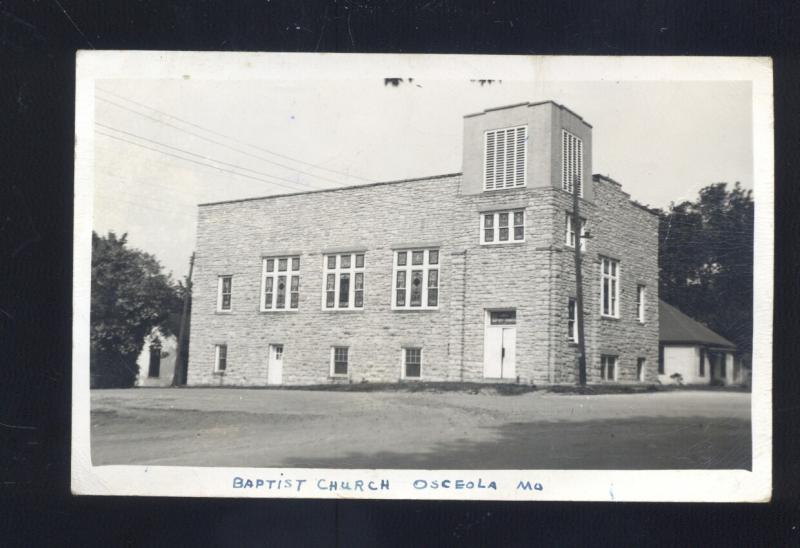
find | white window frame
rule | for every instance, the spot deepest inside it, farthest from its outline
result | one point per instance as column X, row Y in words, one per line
column 408, row 268
column 641, row 300
column 569, row 236
column 217, row 348
column 333, row 372
column 337, row 271
column 517, row 147
column 403, row 362
column 614, row 283
column 572, row 311
column 289, row 273
column 568, row 141
column 495, row 215
column 604, row 367
column 219, row 293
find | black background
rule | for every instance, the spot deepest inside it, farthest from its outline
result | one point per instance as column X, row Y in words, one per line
column 38, row 40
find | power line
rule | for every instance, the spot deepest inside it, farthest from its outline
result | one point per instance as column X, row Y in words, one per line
column 387, row 201
column 219, row 142
column 208, row 158
column 195, row 161
column 315, row 166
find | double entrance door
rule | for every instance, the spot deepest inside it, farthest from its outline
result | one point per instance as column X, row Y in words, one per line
column 500, row 345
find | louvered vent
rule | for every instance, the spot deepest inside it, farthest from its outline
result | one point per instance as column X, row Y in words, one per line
column 505, row 158
column 571, row 162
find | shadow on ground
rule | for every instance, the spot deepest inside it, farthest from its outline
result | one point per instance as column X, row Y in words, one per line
column 635, row 443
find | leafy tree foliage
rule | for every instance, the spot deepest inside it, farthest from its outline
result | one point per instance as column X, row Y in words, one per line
column 130, row 296
column 706, row 260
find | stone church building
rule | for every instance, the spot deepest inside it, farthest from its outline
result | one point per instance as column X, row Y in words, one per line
column 461, row 277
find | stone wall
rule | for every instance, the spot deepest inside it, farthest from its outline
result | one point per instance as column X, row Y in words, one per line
column 531, row 276
column 623, row 231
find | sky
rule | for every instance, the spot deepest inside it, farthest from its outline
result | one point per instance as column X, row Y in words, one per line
column 164, row 146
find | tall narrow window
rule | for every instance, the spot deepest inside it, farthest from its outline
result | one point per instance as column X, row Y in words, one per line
column 505, row 158
column 416, row 285
column 339, row 355
column 344, row 281
column 502, row 227
column 569, row 237
column 608, row 368
column 702, row 371
column 572, row 323
column 224, row 293
column 609, row 287
column 412, row 363
column 280, row 288
column 220, row 358
column 640, row 369
column 640, row 302
column 571, row 162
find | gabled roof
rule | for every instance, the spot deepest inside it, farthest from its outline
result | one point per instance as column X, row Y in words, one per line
column 676, row 327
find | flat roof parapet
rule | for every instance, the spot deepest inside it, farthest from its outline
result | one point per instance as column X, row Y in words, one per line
column 333, row 189
column 529, row 104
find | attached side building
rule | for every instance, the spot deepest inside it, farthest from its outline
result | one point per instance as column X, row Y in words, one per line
column 460, row 277
column 693, row 351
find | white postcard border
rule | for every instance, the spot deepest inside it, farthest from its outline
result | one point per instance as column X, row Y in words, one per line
column 552, row 485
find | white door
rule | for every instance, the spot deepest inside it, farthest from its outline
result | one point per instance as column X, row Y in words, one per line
column 509, row 353
column 500, row 345
column 275, row 364
column 492, row 353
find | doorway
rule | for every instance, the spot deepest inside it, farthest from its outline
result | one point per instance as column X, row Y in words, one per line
column 500, row 345
column 275, row 364
column 154, row 365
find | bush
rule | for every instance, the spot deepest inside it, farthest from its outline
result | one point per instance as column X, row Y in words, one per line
column 677, row 378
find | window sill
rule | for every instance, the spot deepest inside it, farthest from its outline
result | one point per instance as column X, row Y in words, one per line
column 343, row 309
column 610, row 318
column 572, row 344
column 223, row 312
column 500, row 244
column 334, row 377
column 219, row 373
column 279, row 310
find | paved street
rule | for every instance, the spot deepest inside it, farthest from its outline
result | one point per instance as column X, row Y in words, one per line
column 453, row 430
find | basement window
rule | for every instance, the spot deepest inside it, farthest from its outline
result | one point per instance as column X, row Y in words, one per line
column 412, row 363
column 339, row 355
column 280, row 288
column 608, row 368
column 505, row 158
column 343, row 282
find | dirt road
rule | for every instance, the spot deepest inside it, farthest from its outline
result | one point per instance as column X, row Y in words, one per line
column 295, row 428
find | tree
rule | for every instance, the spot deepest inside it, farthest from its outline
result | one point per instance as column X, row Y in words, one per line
column 130, row 296
column 706, row 260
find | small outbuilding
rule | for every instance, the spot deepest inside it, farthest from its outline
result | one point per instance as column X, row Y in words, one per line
column 157, row 359
column 696, row 353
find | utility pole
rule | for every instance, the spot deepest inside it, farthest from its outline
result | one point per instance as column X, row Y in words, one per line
column 179, row 375
column 576, row 227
